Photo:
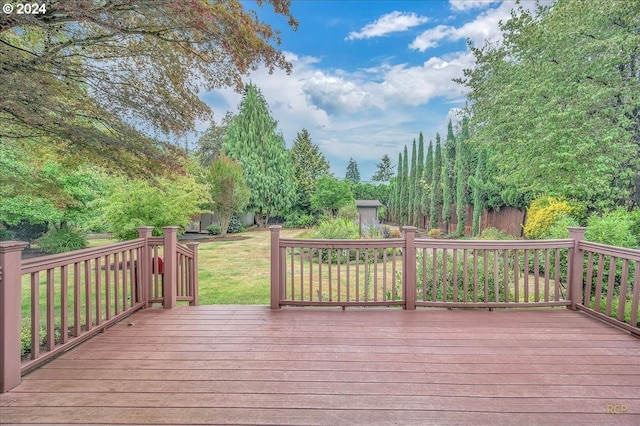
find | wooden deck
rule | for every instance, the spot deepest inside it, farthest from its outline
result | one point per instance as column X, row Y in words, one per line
column 251, row 365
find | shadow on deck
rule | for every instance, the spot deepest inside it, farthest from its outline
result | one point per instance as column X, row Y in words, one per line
column 253, row 365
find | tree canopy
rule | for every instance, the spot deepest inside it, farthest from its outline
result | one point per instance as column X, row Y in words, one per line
column 228, row 189
column 385, row 170
column 253, row 140
column 308, row 165
column 98, row 79
column 353, row 174
column 556, row 103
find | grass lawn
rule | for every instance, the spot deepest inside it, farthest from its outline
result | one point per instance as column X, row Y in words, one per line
column 237, row 272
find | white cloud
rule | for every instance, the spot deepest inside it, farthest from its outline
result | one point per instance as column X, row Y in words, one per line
column 484, row 27
column 389, row 23
column 419, row 84
column 464, row 5
column 335, row 94
column 431, row 37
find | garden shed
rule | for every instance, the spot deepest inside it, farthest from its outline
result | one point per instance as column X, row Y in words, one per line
column 368, row 211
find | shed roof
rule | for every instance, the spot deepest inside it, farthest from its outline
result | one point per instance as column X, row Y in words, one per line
column 368, row 203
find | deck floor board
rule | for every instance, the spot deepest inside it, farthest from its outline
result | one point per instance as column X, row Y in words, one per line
column 308, row 366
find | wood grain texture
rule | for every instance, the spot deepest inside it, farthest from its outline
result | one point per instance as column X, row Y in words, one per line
column 252, row 365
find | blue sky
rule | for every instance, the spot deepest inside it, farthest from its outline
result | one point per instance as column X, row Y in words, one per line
column 368, row 76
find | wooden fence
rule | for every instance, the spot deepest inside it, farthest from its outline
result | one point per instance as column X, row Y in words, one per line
column 601, row 280
column 508, row 219
column 61, row 300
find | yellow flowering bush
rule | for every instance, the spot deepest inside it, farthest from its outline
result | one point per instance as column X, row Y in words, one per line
column 543, row 213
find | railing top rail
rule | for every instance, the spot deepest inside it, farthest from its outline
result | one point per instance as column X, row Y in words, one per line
column 156, row 241
column 56, row 260
column 493, row 244
column 624, row 253
column 184, row 250
column 342, row 244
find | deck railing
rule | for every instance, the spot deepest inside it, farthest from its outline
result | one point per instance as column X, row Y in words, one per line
column 62, row 300
column 412, row 272
column 611, row 284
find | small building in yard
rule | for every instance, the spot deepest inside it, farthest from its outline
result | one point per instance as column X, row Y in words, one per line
column 368, row 211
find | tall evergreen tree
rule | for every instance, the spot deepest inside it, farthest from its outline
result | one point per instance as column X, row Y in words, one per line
column 405, row 187
column 436, row 186
column 418, row 183
column 427, row 177
column 461, row 167
column 477, row 184
column 385, row 170
column 308, row 165
column 353, row 175
column 448, row 176
column 397, row 215
column 252, row 139
column 411, row 201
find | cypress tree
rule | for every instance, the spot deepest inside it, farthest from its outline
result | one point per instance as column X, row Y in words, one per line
column 462, row 164
column 411, row 201
column 478, row 191
column 405, row 186
column 252, row 139
column 436, row 185
column 419, row 183
column 448, row 175
column 398, row 198
column 427, row 176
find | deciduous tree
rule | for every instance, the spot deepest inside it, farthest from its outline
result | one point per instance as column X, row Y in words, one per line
column 228, row 189
column 331, row 194
column 99, row 77
column 560, row 114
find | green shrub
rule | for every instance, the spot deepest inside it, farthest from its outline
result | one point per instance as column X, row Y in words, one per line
column 348, row 212
column 337, row 229
column 214, row 229
column 235, row 225
column 559, row 230
column 426, row 266
column 62, row 240
column 494, row 234
column 614, row 228
column 6, row 235
column 299, row 220
column 382, row 213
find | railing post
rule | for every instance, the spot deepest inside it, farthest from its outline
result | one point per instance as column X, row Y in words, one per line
column 10, row 313
column 144, row 265
column 409, row 267
column 193, row 272
column 170, row 277
column 576, row 264
column 275, row 266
